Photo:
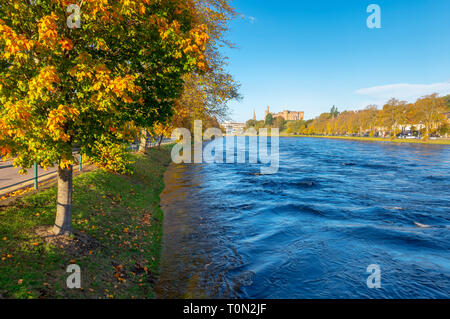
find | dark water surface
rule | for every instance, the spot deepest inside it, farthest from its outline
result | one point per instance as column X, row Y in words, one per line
column 334, row 208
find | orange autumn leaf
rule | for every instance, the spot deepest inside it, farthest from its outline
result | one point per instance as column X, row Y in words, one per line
column 66, row 44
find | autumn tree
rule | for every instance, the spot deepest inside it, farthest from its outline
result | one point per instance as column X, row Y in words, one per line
column 371, row 116
column 429, row 112
column 90, row 87
column 206, row 91
column 430, row 109
column 394, row 113
column 250, row 123
column 295, row 126
column 205, row 98
column 447, row 101
column 279, row 123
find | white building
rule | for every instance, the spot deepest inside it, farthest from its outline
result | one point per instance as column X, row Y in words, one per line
column 233, row 129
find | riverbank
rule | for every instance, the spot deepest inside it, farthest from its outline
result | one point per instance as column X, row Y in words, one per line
column 375, row 139
column 117, row 224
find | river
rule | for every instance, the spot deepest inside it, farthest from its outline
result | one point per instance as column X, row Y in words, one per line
column 311, row 230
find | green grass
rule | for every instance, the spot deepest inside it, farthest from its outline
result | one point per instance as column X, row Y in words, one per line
column 121, row 213
column 374, row 139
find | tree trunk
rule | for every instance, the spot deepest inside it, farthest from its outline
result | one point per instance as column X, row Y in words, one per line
column 427, row 132
column 63, row 222
column 160, row 140
column 143, row 144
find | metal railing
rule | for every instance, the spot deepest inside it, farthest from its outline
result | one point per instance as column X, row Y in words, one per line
column 36, row 176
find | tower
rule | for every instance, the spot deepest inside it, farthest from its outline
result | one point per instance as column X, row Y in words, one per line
column 254, row 115
column 267, row 112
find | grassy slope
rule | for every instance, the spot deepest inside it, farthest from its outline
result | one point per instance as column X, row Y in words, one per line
column 374, row 139
column 121, row 212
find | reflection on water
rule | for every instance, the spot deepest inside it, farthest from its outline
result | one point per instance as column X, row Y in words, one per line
column 311, row 230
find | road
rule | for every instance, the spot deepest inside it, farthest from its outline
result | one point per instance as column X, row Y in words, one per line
column 9, row 175
column 11, row 180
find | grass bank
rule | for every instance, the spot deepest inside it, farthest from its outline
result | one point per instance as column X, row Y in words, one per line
column 374, row 139
column 117, row 224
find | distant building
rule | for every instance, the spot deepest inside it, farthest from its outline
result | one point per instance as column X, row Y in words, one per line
column 234, row 128
column 287, row 115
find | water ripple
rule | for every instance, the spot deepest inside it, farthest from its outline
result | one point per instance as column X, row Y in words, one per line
column 311, row 230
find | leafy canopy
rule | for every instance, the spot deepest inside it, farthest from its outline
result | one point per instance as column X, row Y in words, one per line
column 91, row 87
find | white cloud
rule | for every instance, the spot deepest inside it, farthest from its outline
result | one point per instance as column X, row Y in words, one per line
column 408, row 92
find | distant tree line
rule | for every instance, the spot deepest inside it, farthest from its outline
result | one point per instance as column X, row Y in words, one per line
column 269, row 122
column 427, row 116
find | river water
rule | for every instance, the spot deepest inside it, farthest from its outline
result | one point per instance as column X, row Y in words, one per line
column 311, row 230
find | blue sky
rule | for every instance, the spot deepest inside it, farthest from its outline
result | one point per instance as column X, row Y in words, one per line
column 308, row 55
